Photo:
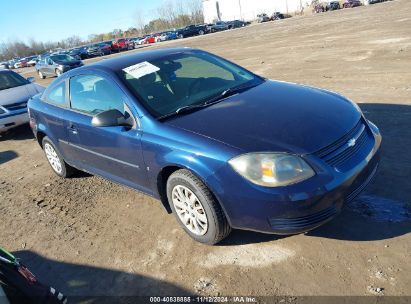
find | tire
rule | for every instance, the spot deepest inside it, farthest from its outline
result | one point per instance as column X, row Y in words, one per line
column 201, row 32
column 41, row 75
column 53, row 157
column 180, row 36
column 58, row 72
column 182, row 185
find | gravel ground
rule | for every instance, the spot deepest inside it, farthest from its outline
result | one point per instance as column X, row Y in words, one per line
column 90, row 237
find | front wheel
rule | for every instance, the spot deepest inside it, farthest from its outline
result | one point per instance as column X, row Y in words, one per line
column 56, row 161
column 196, row 209
column 58, row 73
column 41, row 75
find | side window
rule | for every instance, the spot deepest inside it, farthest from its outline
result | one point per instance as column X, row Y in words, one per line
column 92, row 94
column 57, row 95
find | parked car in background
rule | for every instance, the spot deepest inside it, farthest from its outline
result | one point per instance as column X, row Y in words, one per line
column 376, row 1
column 277, row 16
column 15, row 91
column 55, row 65
column 219, row 26
column 180, row 133
column 333, row 5
column 236, row 24
column 79, row 53
column 151, row 39
column 192, row 30
column 119, row 45
column 4, row 65
column 22, row 63
column 351, row 3
column 99, row 49
column 319, row 8
column 171, row 35
column 32, row 60
column 262, row 18
column 140, row 40
column 130, row 44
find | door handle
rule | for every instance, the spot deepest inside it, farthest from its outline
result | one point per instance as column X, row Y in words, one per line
column 73, row 129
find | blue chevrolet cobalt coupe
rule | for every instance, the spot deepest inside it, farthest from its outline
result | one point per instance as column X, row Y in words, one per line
column 219, row 146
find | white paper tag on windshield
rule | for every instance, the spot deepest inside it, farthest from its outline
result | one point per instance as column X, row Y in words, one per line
column 141, row 69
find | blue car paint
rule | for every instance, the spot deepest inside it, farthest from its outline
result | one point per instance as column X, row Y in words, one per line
column 274, row 116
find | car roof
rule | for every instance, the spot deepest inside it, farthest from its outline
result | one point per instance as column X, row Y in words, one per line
column 121, row 62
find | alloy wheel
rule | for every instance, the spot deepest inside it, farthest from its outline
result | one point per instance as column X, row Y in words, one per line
column 189, row 210
column 53, row 158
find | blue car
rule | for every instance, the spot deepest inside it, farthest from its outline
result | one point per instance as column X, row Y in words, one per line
column 220, row 147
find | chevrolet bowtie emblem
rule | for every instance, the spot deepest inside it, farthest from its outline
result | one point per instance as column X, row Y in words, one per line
column 351, row 142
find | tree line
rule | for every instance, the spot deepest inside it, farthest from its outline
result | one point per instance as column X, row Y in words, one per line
column 172, row 14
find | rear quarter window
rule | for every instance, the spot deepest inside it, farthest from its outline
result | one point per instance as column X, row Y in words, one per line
column 57, row 95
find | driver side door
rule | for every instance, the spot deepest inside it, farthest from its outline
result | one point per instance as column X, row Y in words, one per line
column 112, row 152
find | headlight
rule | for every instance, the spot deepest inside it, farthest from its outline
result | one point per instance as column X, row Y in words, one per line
column 272, row 169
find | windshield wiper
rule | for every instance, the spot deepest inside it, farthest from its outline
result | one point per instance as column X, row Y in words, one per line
column 209, row 101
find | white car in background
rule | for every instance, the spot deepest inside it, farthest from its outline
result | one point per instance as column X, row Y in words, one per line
column 15, row 91
column 32, row 61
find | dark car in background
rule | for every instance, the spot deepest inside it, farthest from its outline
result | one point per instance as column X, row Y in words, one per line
column 262, row 18
column 333, row 5
column 193, row 30
column 55, row 65
column 99, row 49
column 351, row 3
column 377, row 1
column 175, row 124
column 236, row 24
column 79, row 53
column 277, row 16
column 219, row 26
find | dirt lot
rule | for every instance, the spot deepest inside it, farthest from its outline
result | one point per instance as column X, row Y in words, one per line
column 90, row 237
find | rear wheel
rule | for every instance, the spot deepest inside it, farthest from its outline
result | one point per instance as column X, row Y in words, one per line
column 201, row 32
column 58, row 72
column 180, row 36
column 196, row 209
column 56, row 161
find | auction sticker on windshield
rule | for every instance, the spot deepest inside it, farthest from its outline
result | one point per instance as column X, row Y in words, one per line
column 141, row 69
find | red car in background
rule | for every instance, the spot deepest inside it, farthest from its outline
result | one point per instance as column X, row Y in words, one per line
column 119, row 45
column 152, row 39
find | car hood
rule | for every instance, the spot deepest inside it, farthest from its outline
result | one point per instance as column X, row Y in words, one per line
column 19, row 94
column 274, row 116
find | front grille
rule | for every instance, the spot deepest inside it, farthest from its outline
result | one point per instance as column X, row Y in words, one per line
column 340, row 153
column 300, row 223
column 16, row 106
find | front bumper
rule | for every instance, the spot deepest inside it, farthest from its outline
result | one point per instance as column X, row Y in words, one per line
column 11, row 120
column 296, row 208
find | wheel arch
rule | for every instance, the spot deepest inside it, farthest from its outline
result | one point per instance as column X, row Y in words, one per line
column 166, row 172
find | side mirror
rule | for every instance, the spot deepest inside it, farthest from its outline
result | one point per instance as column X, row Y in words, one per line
column 31, row 79
column 109, row 118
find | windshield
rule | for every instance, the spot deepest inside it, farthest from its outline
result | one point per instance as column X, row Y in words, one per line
column 62, row 58
column 10, row 80
column 185, row 79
